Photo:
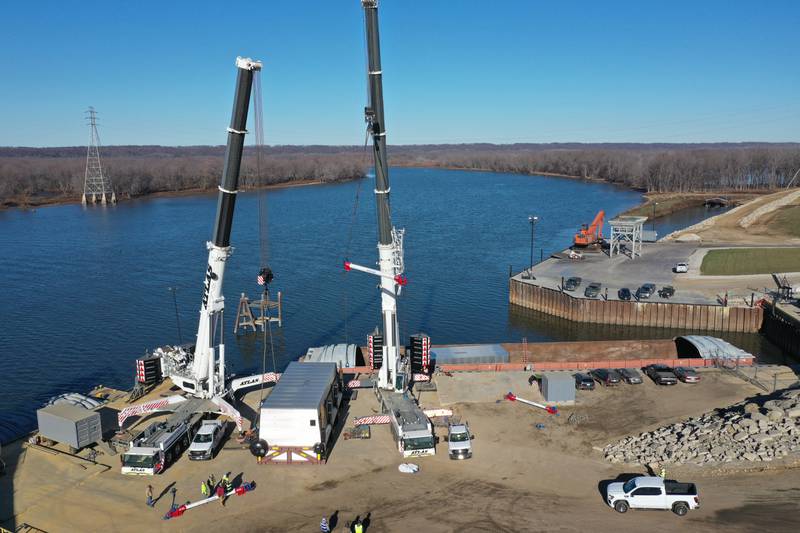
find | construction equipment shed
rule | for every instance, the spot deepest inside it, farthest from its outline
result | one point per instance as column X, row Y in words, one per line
column 69, row 424
column 558, row 387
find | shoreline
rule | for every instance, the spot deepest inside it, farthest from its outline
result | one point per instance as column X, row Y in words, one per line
column 53, row 201
column 671, row 202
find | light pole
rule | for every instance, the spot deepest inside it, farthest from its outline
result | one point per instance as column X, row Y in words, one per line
column 533, row 220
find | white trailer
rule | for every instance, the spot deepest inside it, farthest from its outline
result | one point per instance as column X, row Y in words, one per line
column 298, row 417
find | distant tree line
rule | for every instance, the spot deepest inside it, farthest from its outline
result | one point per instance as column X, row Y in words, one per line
column 648, row 167
column 141, row 170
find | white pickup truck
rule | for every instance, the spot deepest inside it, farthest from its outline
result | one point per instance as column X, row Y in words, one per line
column 459, row 441
column 207, row 440
column 647, row 492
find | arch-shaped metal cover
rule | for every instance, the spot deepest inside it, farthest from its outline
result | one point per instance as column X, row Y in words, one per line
column 708, row 348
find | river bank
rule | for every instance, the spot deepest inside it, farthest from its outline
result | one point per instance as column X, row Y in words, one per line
column 32, row 202
column 661, row 204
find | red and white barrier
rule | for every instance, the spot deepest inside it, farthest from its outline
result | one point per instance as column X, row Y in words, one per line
column 552, row 409
column 421, row 377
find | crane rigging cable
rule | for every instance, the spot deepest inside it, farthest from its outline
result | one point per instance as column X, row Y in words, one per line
column 354, row 213
column 265, row 274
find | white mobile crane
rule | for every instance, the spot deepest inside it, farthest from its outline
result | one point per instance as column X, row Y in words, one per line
column 200, row 371
column 411, row 427
column 390, row 239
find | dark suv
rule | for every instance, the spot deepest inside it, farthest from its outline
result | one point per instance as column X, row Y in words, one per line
column 630, row 376
column 584, row 382
column 661, row 374
column 624, row 293
column 572, row 283
column 606, row 376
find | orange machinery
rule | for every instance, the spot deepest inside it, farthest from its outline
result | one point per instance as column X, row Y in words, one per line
column 591, row 234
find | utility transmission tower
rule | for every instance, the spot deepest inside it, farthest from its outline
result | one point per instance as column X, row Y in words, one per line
column 95, row 184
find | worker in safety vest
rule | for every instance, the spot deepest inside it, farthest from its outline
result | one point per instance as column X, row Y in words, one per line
column 204, row 489
column 358, row 527
column 662, row 473
column 226, row 483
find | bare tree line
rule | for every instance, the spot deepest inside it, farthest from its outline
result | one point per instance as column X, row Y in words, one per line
column 141, row 170
column 60, row 171
column 653, row 168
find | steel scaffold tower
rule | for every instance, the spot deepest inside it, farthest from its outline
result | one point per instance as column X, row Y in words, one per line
column 95, row 184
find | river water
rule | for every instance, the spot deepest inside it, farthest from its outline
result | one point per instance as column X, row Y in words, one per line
column 86, row 291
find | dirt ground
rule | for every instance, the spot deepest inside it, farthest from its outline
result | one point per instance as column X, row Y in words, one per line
column 727, row 229
column 520, row 478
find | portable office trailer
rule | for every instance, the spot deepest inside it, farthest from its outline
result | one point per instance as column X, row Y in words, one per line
column 69, row 424
column 298, row 417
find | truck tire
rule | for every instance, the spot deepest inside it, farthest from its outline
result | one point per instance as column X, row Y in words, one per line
column 680, row 509
column 621, row 506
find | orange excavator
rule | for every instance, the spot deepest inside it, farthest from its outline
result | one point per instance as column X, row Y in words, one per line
column 591, row 234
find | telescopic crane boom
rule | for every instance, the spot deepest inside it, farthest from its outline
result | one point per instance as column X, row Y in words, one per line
column 206, row 377
column 390, row 240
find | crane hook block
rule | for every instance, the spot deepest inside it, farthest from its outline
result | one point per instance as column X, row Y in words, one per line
column 265, row 276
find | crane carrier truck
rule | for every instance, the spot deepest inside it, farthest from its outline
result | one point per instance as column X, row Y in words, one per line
column 162, row 442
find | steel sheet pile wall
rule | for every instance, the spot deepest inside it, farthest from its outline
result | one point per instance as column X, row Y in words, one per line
column 692, row 317
column 782, row 329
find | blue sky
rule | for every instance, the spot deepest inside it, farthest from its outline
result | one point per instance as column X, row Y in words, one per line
column 454, row 71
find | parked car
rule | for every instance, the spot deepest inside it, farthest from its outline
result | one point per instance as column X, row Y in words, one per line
column 661, row 374
column 645, row 291
column 584, row 381
column 606, row 376
column 681, row 268
column 572, row 283
column 630, row 376
column 686, row 374
column 459, row 441
column 646, row 492
column 592, row 290
column 207, row 440
column 624, row 293
column 667, row 291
